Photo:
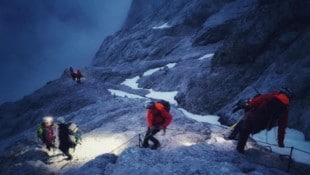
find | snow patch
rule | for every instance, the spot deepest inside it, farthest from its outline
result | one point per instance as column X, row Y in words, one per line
column 132, row 82
column 212, row 119
column 163, row 26
column 171, row 65
column 151, row 71
column 293, row 138
column 207, row 56
column 123, row 94
column 168, row 96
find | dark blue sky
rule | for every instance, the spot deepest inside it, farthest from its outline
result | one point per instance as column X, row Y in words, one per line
column 40, row 38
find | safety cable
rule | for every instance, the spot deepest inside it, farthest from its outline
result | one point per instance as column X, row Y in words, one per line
column 139, row 135
column 129, row 140
column 290, row 154
column 283, row 147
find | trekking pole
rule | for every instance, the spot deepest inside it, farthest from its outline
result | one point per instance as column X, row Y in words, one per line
column 140, row 141
column 290, row 160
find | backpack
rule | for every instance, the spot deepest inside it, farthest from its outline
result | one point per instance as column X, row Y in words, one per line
column 74, row 135
column 40, row 131
column 166, row 104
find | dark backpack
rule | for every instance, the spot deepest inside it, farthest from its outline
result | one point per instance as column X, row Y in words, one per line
column 74, row 134
column 166, row 104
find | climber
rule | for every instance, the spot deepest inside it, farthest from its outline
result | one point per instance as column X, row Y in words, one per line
column 158, row 118
column 76, row 76
column 46, row 132
column 73, row 74
column 68, row 135
column 262, row 112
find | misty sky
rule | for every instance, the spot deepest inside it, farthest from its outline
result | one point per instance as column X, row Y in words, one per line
column 40, row 38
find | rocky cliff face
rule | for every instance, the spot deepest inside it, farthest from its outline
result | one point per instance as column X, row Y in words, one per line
column 256, row 44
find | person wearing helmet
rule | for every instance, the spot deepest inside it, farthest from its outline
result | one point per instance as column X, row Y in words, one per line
column 158, row 118
column 63, row 136
column 263, row 111
column 47, row 135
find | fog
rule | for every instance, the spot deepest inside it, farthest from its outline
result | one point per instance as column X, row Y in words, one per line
column 40, row 38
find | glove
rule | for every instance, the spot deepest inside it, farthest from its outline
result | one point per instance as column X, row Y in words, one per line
column 281, row 144
column 241, row 104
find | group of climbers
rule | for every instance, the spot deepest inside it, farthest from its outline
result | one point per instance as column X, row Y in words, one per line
column 59, row 135
column 264, row 111
column 76, row 75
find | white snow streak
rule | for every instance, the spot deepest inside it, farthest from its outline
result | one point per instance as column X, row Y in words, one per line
column 171, row 65
column 132, row 82
column 163, row 26
column 212, row 119
column 123, row 94
column 207, row 56
column 151, row 71
column 168, row 96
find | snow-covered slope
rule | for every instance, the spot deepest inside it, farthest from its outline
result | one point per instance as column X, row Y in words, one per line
column 200, row 55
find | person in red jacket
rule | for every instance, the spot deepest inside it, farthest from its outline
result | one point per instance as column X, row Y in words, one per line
column 263, row 112
column 76, row 76
column 158, row 118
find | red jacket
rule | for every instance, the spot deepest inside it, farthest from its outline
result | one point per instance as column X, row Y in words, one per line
column 266, row 109
column 48, row 135
column 78, row 74
column 158, row 117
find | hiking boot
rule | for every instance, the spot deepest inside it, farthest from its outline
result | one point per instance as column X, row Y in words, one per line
column 231, row 137
column 241, row 151
column 155, row 146
column 69, row 157
column 146, row 145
